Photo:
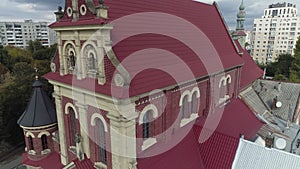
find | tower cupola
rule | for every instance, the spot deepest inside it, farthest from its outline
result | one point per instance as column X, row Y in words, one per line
column 241, row 17
column 39, row 123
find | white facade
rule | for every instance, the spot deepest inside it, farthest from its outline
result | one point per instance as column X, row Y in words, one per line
column 275, row 33
column 18, row 34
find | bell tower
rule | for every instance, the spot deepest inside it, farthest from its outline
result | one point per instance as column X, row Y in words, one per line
column 82, row 33
column 240, row 33
column 241, row 17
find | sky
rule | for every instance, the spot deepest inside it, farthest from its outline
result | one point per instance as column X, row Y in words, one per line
column 43, row 10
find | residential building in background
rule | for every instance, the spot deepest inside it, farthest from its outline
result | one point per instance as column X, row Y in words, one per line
column 18, row 34
column 275, row 33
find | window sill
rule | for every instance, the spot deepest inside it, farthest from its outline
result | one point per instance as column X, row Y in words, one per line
column 185, row 121
column 100, row 165
column 31, row 152
column 46, row 151
column 72, row 149
column 223, row 101
column 148, row 143
column 55, row 137
column 92, row 73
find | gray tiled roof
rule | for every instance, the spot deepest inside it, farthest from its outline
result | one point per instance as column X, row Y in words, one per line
column 251, row 98
column 287, row 94
column 40, row 110
column 260, row 97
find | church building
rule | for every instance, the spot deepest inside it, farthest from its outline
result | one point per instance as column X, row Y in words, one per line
column 141, row 85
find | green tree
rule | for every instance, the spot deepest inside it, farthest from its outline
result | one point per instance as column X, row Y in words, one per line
column 16, row 55
column 284, row 62
column 4, row 57
column 34, row 46
column 15, row 90
column 14, row 96
column 280, row 68
column 295, row 66
column 3, row 72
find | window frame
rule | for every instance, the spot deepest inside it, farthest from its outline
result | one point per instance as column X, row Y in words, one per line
column 44, row 142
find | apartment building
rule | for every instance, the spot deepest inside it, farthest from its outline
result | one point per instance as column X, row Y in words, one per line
column 275, row 33
column 20, row 33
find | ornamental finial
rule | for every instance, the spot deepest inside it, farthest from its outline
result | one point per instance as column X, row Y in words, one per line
column 36, row 73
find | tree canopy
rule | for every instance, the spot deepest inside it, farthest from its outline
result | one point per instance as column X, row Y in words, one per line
column 17, row 74
column 295, row 64
column 286, row 67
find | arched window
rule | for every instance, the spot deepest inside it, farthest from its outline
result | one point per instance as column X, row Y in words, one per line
column 194, row 103
column 184, row 112
column 90, row 54
column 72, row 59
column 146, row 125
column 44, row 142
column 91, row 62
column 72, row 126
column 228, row 81
column 70, row 56
column 222, row 88
column 101, row 141
column 30, row 142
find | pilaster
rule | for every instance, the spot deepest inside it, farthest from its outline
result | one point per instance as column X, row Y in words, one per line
column 78, row 56
column 82, row 111
column 123, row 142
column 61, row 56
column 61, row 126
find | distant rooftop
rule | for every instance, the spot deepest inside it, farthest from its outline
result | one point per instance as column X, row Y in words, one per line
column 281, row 5
column 286, row 94
column 279, row 120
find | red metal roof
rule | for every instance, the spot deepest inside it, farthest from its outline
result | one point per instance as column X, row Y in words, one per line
column 184, row 155
column 52, row 161
column 90, row 21
column 237, row 119
column 84, row 164
column 250, row 70
column 217, row 152
column 159, row 52
column 240, row 33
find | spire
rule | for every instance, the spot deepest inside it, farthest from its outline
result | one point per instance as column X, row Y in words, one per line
column 40, row 110
column 241, row 17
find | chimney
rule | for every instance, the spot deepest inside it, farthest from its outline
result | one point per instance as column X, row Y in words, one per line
column 274, row 103
column 298, row 143
column 102, row 10
column 59, row 14
column 269, row 140
column 279, row 87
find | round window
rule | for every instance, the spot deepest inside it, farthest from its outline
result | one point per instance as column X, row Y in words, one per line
column 83, row 10
column 69, row 11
